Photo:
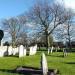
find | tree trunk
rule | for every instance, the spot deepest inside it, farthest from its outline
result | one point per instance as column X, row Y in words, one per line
column 69, row 36
column 13, row 42
column 69, row 43
column 48, row 41
column 14, row 39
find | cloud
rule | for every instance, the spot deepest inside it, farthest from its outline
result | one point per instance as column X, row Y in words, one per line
column 67, row 3
column 30, row 25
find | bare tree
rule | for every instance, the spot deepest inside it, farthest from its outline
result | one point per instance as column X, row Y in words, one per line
column 22, row 39
column 70, row 27
column 48, row 16
column 14, row 26
column 11, row 26
column 66, row 32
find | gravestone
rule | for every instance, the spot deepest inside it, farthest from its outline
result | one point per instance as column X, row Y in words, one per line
column 15, row 51
column 65, row 48
column 22, row 51
column 44, row 66
column 10, row 50
column 48, row 50
column 57, row 48
column 1, row 43
column 52, row 49
column 33, row 50
column 3, row 51
column 65, row 52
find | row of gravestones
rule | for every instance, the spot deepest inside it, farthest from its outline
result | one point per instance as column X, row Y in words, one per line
column 50, row 50
column 21, row 50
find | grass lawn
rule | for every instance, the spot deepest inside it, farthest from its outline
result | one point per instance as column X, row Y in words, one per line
column 66, row 66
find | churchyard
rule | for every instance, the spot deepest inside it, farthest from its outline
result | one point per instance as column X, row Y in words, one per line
column 40, row 41
column 65, row 65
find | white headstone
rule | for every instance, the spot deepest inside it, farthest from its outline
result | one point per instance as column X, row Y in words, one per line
column 44, row 65
column 48, row 50
column 15, row 51
column 22, row 51
column 1, row 54
column 52, row 49
column 1, row 43
column 3, row 51
column 65, row 52
column 10, row 50
column 33, row 50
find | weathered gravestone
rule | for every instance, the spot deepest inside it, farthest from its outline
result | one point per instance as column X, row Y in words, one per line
column 10, row 50
column 15, row 51
column 3, row 51
column 22, row 51
column 57, row 48
column 49, row 50
column 65, row 52
column 33, row 50
column 44, row 66
column 52, row 49
column 65, row 48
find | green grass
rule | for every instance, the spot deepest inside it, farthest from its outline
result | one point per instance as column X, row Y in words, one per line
column 66, row 66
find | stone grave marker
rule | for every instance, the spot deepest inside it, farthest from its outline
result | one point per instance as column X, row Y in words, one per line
column 44, row 66
column 33, row 50
column 3, row 51
column 52, row 49
column 10, row 51
column 15, row 51
column 22, row 51
column 49, row 50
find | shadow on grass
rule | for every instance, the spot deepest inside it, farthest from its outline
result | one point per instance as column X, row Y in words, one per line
column 56, row 55
column 70, row 63
column 16, row 56
column 28, row 71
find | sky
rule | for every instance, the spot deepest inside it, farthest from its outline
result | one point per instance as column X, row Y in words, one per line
column 11, row 8
column 68, row 3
